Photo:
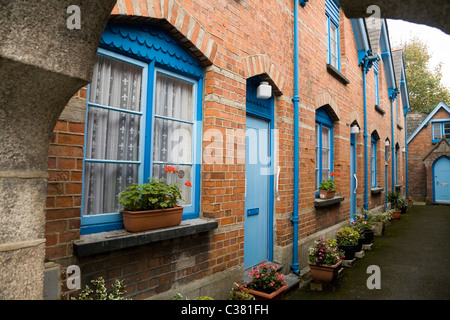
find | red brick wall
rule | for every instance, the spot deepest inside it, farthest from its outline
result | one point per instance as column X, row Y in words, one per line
column 241, row 39
column 418, row 187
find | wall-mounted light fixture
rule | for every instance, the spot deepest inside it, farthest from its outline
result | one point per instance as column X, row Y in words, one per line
column 403, row 149
column 386, row 143
column 264, row 90
column 354, row 129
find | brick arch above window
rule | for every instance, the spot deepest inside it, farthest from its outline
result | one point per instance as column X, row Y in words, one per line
column 326, row 100
column 177, row 21
column 262, row 65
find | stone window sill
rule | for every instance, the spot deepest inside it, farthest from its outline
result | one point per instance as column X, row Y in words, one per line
column 379, row 109
column 398, row 186
column 320, row 203
column 120, row 239
column 376, row 190
column 337, row 74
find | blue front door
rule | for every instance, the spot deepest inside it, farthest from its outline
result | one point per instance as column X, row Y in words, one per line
column 353, row 178
column 441, row 175
column 257, row 175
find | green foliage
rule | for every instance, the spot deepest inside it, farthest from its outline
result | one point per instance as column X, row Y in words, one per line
column 424, row 85
column 325, row 252
column 328, row 184
column 396, row 202
column 379, row 217
column 266, row 279
column 347, row 236
column 205, row 298
column 237, row 293
column 153, row 195
column 100, row 293
column 361, row 222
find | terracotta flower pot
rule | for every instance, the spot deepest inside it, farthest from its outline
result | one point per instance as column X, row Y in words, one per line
column 137, row 221
column 324, row 273
column 396, row 215
column 326, row 194
column 259, row 295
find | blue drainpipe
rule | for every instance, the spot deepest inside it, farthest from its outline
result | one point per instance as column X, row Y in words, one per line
column 392, row 97
column 406, row 152
column 366, row 65
column 295, row 99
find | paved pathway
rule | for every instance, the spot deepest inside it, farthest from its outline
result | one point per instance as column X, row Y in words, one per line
column 414, row 260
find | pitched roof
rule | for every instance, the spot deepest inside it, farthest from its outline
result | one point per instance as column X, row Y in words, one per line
column 428, row 118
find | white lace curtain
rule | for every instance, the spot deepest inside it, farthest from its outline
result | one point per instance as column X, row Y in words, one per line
column 172, row 141
column 111, row 135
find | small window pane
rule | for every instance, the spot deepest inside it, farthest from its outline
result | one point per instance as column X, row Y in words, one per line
column 436, row 130
column 447, row 130
column 180, row 178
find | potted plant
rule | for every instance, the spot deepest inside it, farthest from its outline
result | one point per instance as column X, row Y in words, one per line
column 364, row 227
column 267, row 283
column 325, row 260
column 347, row 239
column 396, row 204
column 238, row 293
column 327, row 189
column 152, row 205
column 379, row 221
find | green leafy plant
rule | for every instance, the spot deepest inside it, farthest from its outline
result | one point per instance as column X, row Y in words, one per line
column 237, row 293
column 325, row 252
column 379, row 217
column 347, row 236
column 362, row 223
column 329, row 184
column 100, row 292
column 266, row 279
column 153, row 195
column 396, row 202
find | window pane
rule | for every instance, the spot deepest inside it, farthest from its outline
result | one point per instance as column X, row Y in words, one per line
column 173, row 98
column 172, row 141
column 436, row 130
column 325, row 137
column 103, row 183
column 325, row 159
column 180, row 178
column 112, row 135
column 447, row 130
column 325, row 174
column 116, row 84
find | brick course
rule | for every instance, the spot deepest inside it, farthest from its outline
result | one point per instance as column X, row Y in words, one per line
column 234, row 41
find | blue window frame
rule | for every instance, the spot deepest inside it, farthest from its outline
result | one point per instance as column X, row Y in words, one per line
column 376, row 83
column 397, row 147
column 332, row 28
column 324, row 147
column 440, row 128
column 143, row 113
column 373, row 162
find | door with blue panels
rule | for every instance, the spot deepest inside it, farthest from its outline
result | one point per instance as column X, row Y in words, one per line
column 353, row 177
column 441, row 179
column 257, row 169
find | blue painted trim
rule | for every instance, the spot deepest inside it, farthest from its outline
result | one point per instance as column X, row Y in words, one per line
column 434, row 176
column 373, row 162
column 264, row 109
column 323, row 119
column 154, row 48
column 150, row 42
column 386, row 150
column 105, row 221
column 353, row 171
column 295, row 266
column 428, row 118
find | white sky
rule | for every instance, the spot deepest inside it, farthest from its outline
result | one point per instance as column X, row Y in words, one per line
column 438, row 42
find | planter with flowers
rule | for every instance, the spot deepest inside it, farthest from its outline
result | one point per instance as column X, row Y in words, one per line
column 327, row 189
column 364, row 227
column 266, row 284
column 347, row 239
column 325, row 260
column 379, row 221
column 151, row 205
